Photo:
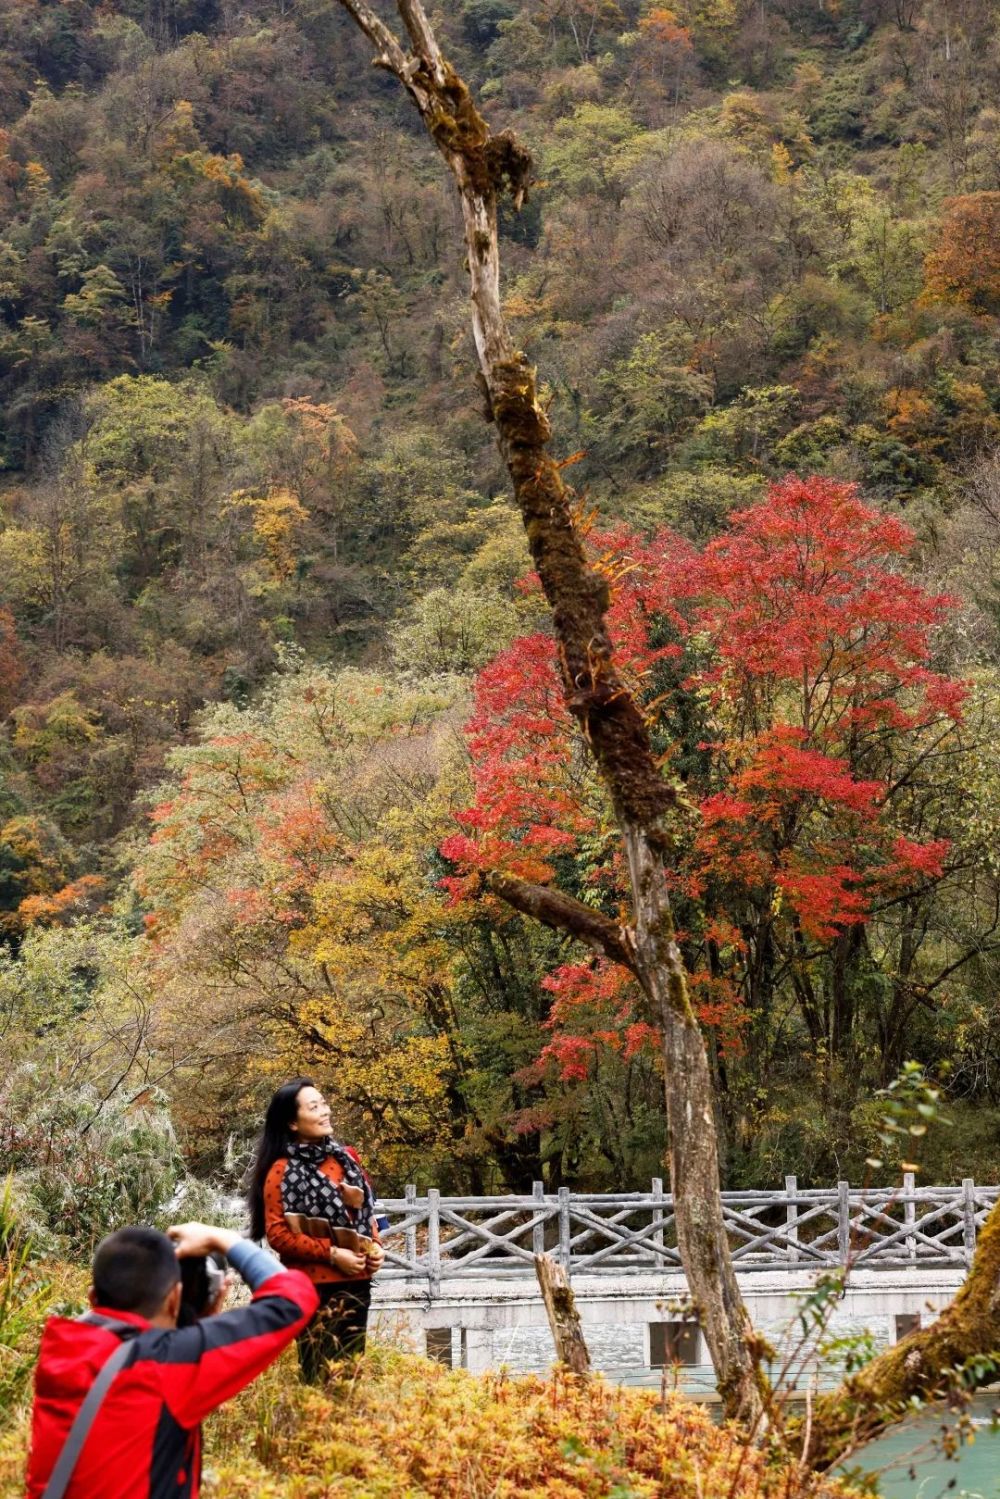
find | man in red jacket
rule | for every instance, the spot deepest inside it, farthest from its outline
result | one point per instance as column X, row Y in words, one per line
column 145, row 1442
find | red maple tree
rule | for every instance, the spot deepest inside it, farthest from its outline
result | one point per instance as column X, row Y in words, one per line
column 785, row 670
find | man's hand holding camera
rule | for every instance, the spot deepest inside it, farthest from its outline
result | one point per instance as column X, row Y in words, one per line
column 201, row 1239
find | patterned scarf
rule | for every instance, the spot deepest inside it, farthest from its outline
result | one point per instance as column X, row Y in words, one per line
column 308, row 1190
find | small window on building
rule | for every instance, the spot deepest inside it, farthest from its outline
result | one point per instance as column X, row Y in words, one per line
column 439, row 1345
column 673, row 1343
column 906, row 1322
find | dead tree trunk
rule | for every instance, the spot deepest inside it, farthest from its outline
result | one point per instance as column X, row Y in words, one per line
column 484, row 166
column 564, row 1319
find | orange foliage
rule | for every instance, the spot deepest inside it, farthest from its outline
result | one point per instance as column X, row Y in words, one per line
column 406, row 1426
column 911, row 415
column 663, row 28
column 964, row 265
column 65, row 905
column 667, row 48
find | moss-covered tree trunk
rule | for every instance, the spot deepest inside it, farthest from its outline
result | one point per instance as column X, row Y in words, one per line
column 955, row 1354
column 484, row 166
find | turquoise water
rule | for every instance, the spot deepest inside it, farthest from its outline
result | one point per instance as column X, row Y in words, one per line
column 974, row 1472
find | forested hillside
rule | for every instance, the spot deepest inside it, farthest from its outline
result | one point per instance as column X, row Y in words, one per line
column 275, row 677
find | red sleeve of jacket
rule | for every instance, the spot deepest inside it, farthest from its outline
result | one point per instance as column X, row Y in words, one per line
column 290, row 1248
column 210, row 1362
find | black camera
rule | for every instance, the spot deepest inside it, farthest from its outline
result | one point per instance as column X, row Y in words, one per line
column 202, row 1278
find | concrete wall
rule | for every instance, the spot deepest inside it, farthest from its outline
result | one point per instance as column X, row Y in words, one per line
column 484, row 1313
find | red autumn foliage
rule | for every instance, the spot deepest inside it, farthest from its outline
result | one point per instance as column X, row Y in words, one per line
column 800, row 655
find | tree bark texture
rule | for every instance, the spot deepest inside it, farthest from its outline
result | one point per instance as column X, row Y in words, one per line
column 564, row 1319
column 484, row 166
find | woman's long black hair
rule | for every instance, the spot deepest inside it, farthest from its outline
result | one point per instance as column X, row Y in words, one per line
column 272, row 1146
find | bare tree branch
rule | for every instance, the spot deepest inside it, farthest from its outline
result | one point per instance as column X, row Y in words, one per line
column 390, row 53
column 564, row 914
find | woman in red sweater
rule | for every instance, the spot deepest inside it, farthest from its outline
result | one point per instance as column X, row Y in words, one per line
column 307, row 1192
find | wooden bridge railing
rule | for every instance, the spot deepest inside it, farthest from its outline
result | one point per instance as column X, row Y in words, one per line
column 433, row 1237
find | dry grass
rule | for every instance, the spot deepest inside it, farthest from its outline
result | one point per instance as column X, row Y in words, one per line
column 401, row 1427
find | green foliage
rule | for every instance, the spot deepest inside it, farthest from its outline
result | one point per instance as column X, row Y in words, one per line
column 87, row 1164
column 909, row 1106
column 649, row 400
column 238, row 424
column 695, row 503
column 743, row 434
column 82, row 1126
column 24, row 1297
column 454, row 629
column 592, row 150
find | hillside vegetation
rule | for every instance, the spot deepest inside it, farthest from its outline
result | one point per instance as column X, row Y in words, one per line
column 275, row 680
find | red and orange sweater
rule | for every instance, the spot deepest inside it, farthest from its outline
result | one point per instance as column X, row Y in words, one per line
column 301, row 1251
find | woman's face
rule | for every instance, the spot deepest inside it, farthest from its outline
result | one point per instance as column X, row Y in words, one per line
column 312, row 1120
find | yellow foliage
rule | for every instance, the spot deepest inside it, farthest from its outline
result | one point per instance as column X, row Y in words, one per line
column 410, row 1429
column 24, row 564
column 711, row 16
column 744, row 116
column 910, row 413
column 180, row 133
column 386, row 911
column 518, row 305
column 278, row 517
column 38, row 178
column 781, row 163
column 400, row 1427
column 241, row 198
column 63, row 721
column 293, row 907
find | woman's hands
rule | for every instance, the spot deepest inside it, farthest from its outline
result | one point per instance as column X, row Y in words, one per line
column 347, row 1262
column 376, row 1256
column 356, row 1265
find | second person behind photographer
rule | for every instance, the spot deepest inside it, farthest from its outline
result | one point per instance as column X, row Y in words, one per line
column 312, row 1200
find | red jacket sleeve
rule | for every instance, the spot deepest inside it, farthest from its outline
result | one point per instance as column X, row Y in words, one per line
column 290, row 1248
column 207, row 1364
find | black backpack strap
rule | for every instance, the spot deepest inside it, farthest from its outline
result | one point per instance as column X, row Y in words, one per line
column 87, row 1414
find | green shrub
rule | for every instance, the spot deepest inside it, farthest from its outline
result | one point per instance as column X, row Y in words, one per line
column 25, row 1294
column 86, row 1164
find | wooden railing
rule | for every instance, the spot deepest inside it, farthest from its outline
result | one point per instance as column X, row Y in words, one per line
column 431, row 1238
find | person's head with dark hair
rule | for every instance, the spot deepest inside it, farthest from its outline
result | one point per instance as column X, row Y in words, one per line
column 296, row 1111
column 137, row 1270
